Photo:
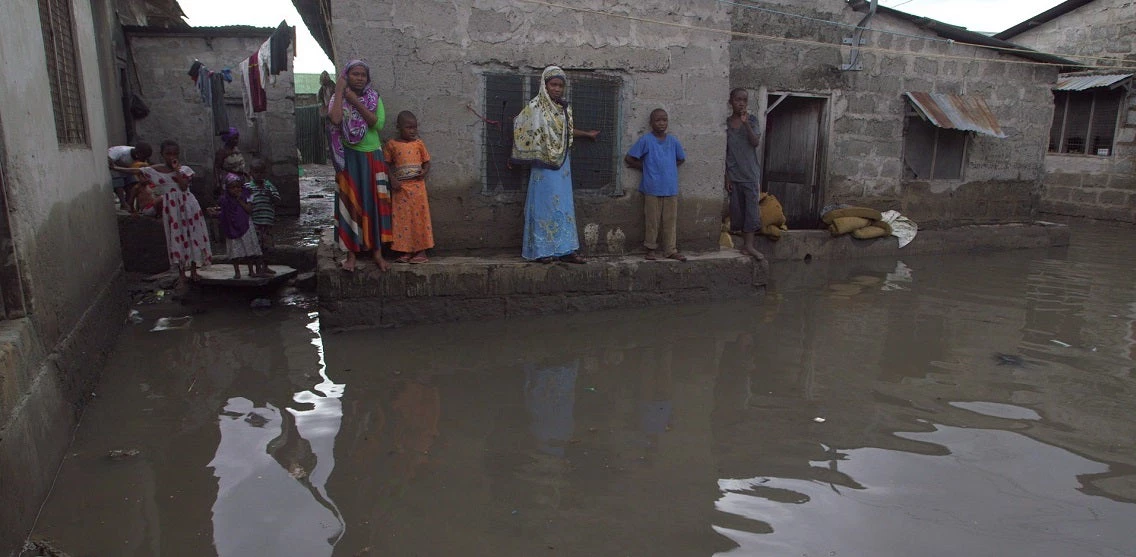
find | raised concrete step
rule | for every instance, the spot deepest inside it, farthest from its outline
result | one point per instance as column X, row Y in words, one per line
column 491, row 287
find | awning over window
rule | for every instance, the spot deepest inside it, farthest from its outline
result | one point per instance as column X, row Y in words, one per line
column 956, row 112
column 1081, row 82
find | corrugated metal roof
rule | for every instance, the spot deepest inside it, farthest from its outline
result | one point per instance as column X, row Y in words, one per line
column 1073, row 82
column 956, row 112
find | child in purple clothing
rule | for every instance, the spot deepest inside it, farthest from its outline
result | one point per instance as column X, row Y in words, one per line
column 236, row 224
column 659, row 154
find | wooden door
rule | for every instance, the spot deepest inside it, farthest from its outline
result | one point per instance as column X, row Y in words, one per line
column 792, row 155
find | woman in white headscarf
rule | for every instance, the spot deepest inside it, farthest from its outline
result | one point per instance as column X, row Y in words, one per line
column 542, row 136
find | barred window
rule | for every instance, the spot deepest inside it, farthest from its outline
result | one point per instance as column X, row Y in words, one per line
column 595, row 106
column 1084, row 122
column 931, row 152
column 57, row 24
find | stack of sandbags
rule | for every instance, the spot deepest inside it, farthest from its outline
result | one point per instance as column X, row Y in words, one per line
column 772, row 216
column 862, row 223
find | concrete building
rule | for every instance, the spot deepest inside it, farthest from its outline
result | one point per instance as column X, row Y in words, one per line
column 466, row 68
column 930, row 119
column 61, row 281
column 163, row 56
column 1090, row 166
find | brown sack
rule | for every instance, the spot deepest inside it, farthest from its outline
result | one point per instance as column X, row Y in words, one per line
column 844, row 225
column 869, row 232
column 862, row 212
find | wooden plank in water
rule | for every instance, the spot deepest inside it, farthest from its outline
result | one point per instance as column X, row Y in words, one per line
column 221, row 274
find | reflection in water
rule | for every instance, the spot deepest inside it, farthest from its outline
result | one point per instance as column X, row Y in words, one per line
column 954, row 425
column 272, row 468
column 996, row 493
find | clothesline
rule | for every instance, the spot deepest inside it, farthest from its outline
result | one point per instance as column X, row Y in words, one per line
column 256, row 71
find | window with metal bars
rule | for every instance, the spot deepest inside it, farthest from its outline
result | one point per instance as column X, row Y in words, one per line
column 58, row 28
column 595, row 106
column 1084, row 122
column 931, row 152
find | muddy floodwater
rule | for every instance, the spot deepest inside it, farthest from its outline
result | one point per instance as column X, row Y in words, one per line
column 977, row 405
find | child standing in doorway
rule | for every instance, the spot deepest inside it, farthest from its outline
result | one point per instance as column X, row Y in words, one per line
column 236, row 224
column 659, row 154
column 409, row 163
column 743, row 170
column 264, row 200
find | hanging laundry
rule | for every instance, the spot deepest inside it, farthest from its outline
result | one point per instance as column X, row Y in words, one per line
column 194, row 69
column 220, row 115
column 255, row 98
column 227, row 74
column 278, row 45
column 264, row 55
column 204, row 86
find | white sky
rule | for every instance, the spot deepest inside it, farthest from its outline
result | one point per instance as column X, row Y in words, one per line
column 976, row 15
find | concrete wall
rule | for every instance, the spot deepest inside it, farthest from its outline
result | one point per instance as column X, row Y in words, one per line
column 162, row 59
column 64, row 241
column 866, row 109
column 1104, row 33
column 428, row 56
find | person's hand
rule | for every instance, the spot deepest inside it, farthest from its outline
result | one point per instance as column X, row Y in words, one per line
column 340, row 84
column 593, row 134
column 213, row 211
column 729, row 186
column 395, row 185
column 350, row 95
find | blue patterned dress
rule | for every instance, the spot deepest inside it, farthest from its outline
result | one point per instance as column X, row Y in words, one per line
column 550, row 214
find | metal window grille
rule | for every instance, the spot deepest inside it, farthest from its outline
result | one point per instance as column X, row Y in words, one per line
column 595, row 106
column 1084, row 122
column 57, row 25
column 932, row 153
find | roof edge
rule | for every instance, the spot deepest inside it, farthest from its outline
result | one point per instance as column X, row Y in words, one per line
column 1042, row 18
column 237, row 31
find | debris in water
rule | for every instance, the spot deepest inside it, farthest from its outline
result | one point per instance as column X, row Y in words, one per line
column 168, row 323
column 1009, row 360
column 297, row 472
column 43, row 548
column 1059, row 343
column 819, row 420
column 134, row 316
column 592, row 389
column 119, row 454
column 256, row 420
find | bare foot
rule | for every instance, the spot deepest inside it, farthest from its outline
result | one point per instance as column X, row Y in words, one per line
column 349, row 263
column 651, row 255
column 267, row 271
column 749, row 250
column 237, row 275
column 384, row 266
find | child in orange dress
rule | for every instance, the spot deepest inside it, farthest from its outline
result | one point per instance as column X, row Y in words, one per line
column 409, row 163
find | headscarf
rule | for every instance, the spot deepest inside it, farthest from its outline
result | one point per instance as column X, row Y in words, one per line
column 354, row 126
column 231, row 177
column 542, row 132
column 230, row 134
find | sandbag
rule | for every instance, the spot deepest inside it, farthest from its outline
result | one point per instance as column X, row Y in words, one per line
column 869, row 232
column 771, row 231
column 862, row 212
column 844, row 225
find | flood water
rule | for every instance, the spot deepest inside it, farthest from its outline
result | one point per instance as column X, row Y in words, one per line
column 977, row 405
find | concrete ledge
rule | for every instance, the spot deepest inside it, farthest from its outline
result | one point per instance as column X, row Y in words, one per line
column 491, row 287
column 819, row 244
column 48, row 395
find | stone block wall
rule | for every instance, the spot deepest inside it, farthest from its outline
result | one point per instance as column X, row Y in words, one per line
column 162, row 58
column 1101, row 33
column 863, row 156
column 430, row 57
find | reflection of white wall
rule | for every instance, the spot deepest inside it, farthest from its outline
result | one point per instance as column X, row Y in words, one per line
column 261, row 509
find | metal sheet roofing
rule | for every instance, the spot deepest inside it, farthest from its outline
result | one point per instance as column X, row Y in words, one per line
column 1072, row 82
column 956, row 112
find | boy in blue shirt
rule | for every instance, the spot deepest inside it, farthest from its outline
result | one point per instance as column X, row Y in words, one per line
column 659, row 155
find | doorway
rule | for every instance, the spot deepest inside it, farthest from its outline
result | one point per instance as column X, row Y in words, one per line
column 794, row 138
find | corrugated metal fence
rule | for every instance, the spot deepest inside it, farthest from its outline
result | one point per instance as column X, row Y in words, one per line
column 310, row 137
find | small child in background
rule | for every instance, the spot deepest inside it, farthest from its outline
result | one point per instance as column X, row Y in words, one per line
column 140, row 198
column 127, row 156
column 409, row 162
column 659, row 154
column 264, row 200
column 236, row 224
